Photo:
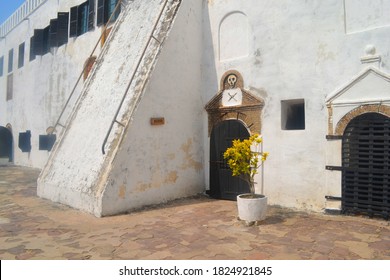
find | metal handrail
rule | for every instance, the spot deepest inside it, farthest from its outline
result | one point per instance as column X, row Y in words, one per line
column 84, row 68
column 151, row 36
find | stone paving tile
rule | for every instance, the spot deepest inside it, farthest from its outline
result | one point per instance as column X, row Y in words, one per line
column 196, row 228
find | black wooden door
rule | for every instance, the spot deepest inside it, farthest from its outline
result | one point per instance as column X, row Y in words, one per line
column 366, row 166
column 222, row 184
column 6, row 144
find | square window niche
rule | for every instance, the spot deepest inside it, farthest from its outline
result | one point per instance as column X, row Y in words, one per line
column 293, row 114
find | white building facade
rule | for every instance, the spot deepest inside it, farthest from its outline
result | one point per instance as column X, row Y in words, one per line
column 311, row 76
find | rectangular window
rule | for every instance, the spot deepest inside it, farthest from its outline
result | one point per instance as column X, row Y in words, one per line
column 53, row 30
column 82, row 18
column 40, row 42
column 32, row 51
column 10, row 60
column 1, row 66
column 25, row 141
column 105, row 8
column 293, row 114
column 46, row 47
column 21, row 56
column 91, row 15
column 10, row 86
column 62, row 28
column 58, row 30
column 73, row 21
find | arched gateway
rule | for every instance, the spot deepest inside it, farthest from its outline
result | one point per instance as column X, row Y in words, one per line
column 366, row 165
column 232, row 112
column 222, row 183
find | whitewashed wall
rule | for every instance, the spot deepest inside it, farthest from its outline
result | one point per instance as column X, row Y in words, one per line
column 157, row 163
column 293, row 50
column 42, row 86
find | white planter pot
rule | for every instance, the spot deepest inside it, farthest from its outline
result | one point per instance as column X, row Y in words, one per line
column 251, row 209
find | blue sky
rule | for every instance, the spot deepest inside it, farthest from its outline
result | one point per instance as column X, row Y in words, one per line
column 7, row 7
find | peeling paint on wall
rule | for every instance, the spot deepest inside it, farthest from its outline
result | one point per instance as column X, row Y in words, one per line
column 189, row 161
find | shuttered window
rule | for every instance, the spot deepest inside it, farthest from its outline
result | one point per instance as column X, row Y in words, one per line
column 21, row 56
column 10, row 60
column 32, row 50
column 58, row 34
column 62, row 28
column 1, row 66
column 91, row 14
column 10, row 86
column 82, row 18
column 105, row 9
column 73, row 21
column 40, row 41
column 53, row 33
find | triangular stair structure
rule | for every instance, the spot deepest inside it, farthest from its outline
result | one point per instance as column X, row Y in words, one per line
column 77, row 173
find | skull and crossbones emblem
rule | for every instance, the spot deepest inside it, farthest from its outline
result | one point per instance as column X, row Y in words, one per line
column 232, row 80
column 232, row 94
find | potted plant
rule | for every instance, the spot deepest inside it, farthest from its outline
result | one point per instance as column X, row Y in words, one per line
column 244, row 158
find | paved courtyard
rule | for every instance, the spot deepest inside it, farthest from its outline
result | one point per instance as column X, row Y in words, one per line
column 196, row 228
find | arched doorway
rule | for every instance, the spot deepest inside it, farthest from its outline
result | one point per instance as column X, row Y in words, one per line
column 366, row 165
column 6, row 144
column 222, row 184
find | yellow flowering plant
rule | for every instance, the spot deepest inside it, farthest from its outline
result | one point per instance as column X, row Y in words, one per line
column 245, row 157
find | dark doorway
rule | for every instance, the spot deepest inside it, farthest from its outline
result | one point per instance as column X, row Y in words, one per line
column 6, row 144
column 222, row 184
column 366, row 166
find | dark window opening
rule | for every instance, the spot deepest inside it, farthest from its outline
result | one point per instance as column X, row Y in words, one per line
column 1, row 66
column 46, row 47
column 82, row 18
column 21, row 56
column 293, row 114
column 40, row 41
column 58, row 31
column 25, row 141
column 32, row 51
column 10, row 86
column 6, row 143
column 105, row 9
column 10, row 60
column 53, row 30
column 46, row 142
column 62, row 28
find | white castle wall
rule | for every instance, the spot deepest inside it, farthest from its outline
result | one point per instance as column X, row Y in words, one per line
column 42, row 86
column 293, row 50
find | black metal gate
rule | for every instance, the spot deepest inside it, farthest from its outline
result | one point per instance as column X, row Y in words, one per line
column 366, row 166
column 222, row 184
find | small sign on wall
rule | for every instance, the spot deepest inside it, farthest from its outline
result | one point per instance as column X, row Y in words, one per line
column 157, row 121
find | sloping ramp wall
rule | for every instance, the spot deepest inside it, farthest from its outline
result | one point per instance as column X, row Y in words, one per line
column 77, row 171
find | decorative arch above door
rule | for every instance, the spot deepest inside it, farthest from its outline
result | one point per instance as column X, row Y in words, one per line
column 233, row 102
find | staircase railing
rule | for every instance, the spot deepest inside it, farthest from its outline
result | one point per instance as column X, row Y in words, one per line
column 57, row 123
column 151, row 36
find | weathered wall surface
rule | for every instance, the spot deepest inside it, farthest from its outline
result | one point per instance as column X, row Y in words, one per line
column 157, row 163
column 42, row 86
column 305, row 50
